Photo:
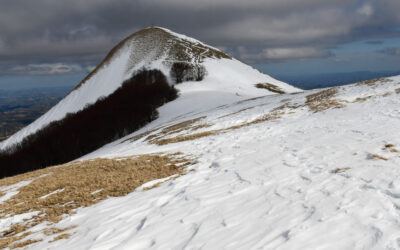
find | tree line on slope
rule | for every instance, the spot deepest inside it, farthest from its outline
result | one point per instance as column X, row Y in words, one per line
column 183, row 72
column 129, row 108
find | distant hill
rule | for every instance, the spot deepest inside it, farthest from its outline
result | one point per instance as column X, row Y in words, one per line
column 123, row 93
column 312, row 81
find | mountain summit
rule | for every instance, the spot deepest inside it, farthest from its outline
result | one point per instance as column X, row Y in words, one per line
column 178, row 57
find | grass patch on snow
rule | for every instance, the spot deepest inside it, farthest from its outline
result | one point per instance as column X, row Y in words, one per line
column 323, row 100
column 163, row 141
column 340, row 170
column 79, row 182
column 270, row 87
column 373, row 81
column 376, row 156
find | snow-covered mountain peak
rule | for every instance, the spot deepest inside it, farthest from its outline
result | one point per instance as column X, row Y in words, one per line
column 225, row 79
column 157, row 47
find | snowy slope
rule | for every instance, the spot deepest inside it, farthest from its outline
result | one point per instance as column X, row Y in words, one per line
column 291, row 171
column 155, row 48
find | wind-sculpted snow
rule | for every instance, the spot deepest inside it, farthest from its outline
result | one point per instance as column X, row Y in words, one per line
column 325, row 178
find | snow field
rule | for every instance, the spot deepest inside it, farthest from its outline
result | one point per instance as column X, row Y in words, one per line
column 271, row 185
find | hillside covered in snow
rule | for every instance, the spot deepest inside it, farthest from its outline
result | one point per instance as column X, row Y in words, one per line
column 154, row 48
column 237, row 161
column 123, row 93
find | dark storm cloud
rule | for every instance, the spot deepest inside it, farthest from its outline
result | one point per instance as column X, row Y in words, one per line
column 44, row 32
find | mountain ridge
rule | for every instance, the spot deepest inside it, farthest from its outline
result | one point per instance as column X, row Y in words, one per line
column 147, row 49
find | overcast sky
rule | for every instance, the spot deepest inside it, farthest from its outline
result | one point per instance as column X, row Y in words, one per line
column 58, row 37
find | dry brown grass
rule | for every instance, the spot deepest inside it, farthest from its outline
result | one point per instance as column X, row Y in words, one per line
column 376, row 156
column 340, row 170
column 188, row 125
column 179, row 127
column 397, row 91
column 249, row 100
column 286, row 106
column 60, row 237
column 7, row 241
column 373, row 81
column 271, row 87
column 235, row 113
column 323, row 100
column 390, row 147
column 362, row 99
column 182, row 138
column 141, row 135
column 93, row 181
column 54, row 230
column 24, row 243
column 189, row 137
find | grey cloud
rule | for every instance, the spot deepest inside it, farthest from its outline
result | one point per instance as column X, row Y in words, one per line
column 282, row 54
column 75, row 31
column 46, row 69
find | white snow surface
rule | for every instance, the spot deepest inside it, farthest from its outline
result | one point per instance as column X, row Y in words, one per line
column 226, row 75
column 270, row 185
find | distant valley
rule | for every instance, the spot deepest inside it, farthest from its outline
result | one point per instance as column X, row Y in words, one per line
column 19, row 108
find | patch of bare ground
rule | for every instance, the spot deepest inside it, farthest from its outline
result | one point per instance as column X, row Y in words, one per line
column 235, row 113
column 286, row 106
column 390, row 147
column 140, row 136
column 54, row 230
column 373, row 81
column 376, row 156
column 322, row 100
column 185, row 137
column 189, row 125
column 189, row 137
column 24, row 243
column 362, row 99
column 7, row 241
column 60, row 237
column 249, row 100
column 179, row 127
column 271, row 87
column 93, row 181
column 397, row 91
column 339, row 170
